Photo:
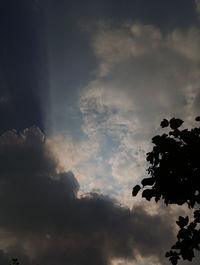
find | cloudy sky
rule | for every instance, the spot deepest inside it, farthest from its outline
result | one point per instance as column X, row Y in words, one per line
column 83, row 88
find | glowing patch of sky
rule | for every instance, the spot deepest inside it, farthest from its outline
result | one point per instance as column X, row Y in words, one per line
column 110, row 104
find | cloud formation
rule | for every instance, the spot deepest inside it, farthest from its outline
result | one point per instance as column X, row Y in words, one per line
column 42, row 220
column 143, row 76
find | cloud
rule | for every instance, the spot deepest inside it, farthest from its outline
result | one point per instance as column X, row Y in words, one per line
column 145, row 67
column 185, row 43
column 42, row 220
column 143, row 76
column 113, row 45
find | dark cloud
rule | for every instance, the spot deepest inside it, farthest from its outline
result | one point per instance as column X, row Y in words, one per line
column 23, row 65
column 45, row 222
column 42, row 220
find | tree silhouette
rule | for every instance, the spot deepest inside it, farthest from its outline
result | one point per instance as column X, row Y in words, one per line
column 175, row 178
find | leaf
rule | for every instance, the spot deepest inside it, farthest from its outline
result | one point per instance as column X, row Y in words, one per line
column 148, row 181
column 175, row 123
column 187, row 254
column 164, row 123
column 176, row 246
column 196, row 214
column 182, row 221
column 192, row 225
column 173, row 257
column 148, row 194
column 150, row 157
column 168, row 254
column 156, row 139
column 174, row 260
column 136, row 190
column 175, row 133
column 184, row 233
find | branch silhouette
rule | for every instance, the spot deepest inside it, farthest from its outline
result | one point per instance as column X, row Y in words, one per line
column 175, row 178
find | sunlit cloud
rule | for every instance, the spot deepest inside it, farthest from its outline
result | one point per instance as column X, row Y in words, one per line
column 83, row 89
column 142, row 77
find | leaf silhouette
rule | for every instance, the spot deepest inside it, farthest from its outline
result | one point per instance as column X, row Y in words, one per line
column 136, row 190
column 182, row 221
column 148, row 181
column 174, row 178
column 164, row 123
column 175, row 123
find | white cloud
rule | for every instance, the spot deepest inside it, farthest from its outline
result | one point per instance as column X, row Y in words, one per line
column 140, row 261
column 143, row 77
column 186, row 43
column 71, row 155
column 117, row 45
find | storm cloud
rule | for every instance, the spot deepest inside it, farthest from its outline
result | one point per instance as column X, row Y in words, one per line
column 62, row 195
column 43, row 220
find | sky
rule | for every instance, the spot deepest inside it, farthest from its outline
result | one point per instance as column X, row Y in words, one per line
column 83, row 88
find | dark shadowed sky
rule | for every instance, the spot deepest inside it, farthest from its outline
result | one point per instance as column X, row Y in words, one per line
column 83, row 88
